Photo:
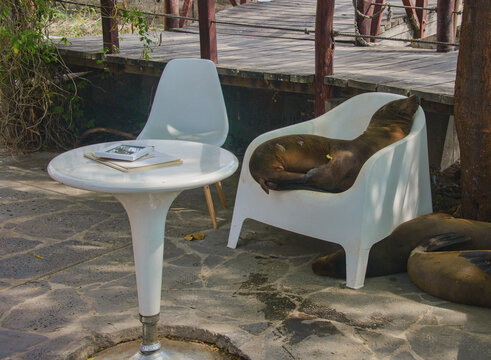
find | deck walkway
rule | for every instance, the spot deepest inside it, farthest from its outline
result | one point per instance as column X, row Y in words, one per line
column 285, row 59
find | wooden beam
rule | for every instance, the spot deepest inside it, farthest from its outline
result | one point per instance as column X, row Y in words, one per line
column 171, row 8
column 207, row 30
column 377, row 19
column 324, row 53
column 364, row 24
column 185, row 12
column 444, row 24
column 261, row 83
column 422, row 16
column 233, row 2
column 110, row 37
column 412, row 16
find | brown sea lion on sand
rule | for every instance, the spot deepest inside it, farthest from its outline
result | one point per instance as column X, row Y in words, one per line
column 391, row 254
column 459, row 276
column 315, row 162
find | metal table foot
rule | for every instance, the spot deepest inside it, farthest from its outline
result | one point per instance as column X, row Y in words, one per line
column 150, row 348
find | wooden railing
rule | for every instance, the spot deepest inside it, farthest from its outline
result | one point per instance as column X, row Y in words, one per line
column 324, row 32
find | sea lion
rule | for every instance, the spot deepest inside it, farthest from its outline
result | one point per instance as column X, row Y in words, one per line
column 391, row 254
column 314, row 162
column 459, row 276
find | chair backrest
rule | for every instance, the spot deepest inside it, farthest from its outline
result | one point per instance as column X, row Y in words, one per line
column 350, row 119
column 188, row 104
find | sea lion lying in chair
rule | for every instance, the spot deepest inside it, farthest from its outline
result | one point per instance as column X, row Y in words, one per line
column 319, row 163
column 460, row 274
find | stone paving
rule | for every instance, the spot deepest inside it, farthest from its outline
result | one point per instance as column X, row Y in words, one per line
column 67, row 285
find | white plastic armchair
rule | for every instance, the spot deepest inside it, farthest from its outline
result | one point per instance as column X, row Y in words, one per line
column 189, row 105
column 392, row 187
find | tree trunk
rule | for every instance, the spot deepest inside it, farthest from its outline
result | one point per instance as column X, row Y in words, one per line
column 473, row 109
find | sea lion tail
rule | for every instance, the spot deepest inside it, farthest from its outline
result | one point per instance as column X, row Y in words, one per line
column 441, row 241
column 482, row 259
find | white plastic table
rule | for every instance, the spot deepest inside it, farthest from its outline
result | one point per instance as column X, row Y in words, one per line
column 146, row 196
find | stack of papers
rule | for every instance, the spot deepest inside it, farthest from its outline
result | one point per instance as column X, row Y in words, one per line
column 148, row 161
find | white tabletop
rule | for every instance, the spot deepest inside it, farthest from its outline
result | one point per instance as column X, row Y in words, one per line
column 202, row 164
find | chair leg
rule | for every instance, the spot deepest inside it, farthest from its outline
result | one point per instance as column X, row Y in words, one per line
column 221, row 195
column 356, row 267
column 209, row 203
column 235, row 228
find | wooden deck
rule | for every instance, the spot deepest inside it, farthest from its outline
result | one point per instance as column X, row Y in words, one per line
column 281, row 59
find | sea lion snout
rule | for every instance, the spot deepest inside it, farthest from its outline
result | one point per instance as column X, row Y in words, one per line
column 411, row 105
column 403, row 108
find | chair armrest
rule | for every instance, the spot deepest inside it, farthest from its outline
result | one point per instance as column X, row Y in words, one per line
column 387, row 176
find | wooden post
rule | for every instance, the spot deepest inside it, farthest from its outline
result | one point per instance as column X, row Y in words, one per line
column 473, row 110
column 324, row 53
column 457, row 7
column 171, row 8
column 422, row 15
column 110, row 38
column 412, row 16
column 364, row 24
column 444, row 25
column 207, row 30
column 377, row 20
column 185, row 12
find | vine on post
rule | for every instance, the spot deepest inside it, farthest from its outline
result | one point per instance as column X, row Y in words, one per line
column 139, row 23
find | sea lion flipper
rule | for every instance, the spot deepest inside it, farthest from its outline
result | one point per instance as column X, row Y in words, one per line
column 482, row 259
column 444, row 240
column 263, row 184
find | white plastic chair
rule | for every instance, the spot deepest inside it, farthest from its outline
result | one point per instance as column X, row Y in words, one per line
column 189, row 105
column 392, row 187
